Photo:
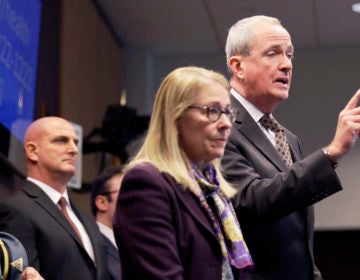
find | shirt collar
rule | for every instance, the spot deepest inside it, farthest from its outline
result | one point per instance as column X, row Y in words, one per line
column 53, row 194
column 253, row 111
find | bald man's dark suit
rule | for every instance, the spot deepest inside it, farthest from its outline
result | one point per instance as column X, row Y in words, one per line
column 51, row 243
column 274, row 204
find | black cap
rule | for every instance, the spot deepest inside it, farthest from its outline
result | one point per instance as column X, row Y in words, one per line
column 13, row 257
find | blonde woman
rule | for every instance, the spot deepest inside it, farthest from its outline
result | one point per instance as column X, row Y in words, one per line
column 173, row 218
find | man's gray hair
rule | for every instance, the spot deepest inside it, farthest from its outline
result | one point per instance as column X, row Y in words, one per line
column 241, row 35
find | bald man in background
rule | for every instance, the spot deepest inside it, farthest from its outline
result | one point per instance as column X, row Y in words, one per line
column 33, row 215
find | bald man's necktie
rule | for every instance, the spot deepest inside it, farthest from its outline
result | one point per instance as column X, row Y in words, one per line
column 281, row 145
column 62, row 203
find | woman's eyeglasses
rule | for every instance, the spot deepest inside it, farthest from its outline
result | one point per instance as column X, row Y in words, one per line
column 214, row 113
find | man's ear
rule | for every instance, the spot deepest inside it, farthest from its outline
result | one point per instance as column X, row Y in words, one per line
column 31, row 150
column 101, row 203
column 237, row 66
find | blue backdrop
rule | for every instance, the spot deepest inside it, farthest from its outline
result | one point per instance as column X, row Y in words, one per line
column 19, row 42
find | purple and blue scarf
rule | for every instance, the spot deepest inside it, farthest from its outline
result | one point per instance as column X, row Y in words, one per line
column 224, row 221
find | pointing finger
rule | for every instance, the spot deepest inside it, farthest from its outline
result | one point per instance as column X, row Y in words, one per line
column 353, row 102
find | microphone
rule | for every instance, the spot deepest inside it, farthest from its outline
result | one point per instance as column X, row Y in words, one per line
column 13, row 257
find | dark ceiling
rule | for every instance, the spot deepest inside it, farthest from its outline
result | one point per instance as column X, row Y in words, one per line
column 193, row 26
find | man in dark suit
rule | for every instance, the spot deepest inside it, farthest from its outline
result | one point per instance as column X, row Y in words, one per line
column 55, row 248
column 275, row 195
column 104, row 193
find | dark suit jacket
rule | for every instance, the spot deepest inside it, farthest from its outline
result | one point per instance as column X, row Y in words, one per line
column 51, row 243
column 161, row 230
column 274, row 204
column 113, row 259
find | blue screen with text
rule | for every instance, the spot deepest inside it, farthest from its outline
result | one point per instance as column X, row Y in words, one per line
column 19, row 43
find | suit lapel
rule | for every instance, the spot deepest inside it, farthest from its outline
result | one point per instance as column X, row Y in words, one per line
column 307, row 213
column 111, row 249
column 250, row 130
column 294, row 146
column 246, row 125
column 90, row 230
column 191, row 203
column 45, row 202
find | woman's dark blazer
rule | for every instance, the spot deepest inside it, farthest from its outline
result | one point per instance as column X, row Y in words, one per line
column 161, row 230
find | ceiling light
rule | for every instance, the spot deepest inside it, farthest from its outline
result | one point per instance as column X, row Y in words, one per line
column 356, row 7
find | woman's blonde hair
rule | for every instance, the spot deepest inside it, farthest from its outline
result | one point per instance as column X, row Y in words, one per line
column 162, row 146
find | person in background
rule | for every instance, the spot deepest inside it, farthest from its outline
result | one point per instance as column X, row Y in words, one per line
column 61, row 241
column 173, row 218
column 275, row 194
column 104, row 193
